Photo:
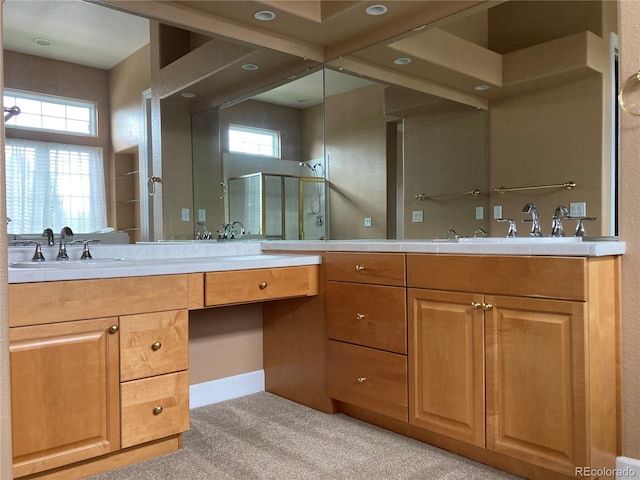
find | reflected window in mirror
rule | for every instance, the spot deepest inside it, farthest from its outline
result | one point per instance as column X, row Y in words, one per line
column 254, row 141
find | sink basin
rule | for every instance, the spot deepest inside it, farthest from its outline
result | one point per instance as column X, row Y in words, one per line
column 518, row 240
column 92, row 263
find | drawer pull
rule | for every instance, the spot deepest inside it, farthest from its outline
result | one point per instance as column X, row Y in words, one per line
column 476, row 304
column 487, row 306
column 361, row 379
column 360, row 316
column 156, row 346
column 263, row 285
column 158, row 410
column 359, row 268
column 113, row 329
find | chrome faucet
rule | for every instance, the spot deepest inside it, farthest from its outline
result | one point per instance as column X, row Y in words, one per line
column 206, row 233
column 450, row 234
column 62, row 249
column 234, row 231
column 513, row 229
column 556, row 221
column 536, row 231
column 49, row 234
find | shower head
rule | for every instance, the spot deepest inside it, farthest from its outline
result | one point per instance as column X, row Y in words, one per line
column 302, row 164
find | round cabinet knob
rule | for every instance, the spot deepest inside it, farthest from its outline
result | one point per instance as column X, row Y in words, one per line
column 158, row 410
column 156, row 346
column 361, row 379
column 360, row 316
column 113, row 329
column 263, row 285
column 476, row 304
column 487, row 306
column 359, row 268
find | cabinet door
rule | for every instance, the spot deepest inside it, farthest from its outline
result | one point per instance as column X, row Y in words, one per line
column 536, row 381
column 446, row 376
column 64, row 393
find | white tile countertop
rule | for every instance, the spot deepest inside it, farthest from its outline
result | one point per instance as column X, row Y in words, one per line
column 166, row 258
column 565, row 246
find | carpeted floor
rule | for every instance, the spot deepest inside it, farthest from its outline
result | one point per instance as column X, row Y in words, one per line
column 263, row 436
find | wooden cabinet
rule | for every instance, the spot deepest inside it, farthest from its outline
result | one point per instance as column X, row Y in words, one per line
column 154, row 352
column 546, row 348
column 447, row 355
column 64, row 393
column 367, row 329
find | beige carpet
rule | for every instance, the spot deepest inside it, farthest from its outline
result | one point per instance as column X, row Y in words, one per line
column 263, row 436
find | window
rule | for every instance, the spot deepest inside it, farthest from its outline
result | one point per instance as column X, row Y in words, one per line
column 50, row 113
column 54, row 185
column 254, row 141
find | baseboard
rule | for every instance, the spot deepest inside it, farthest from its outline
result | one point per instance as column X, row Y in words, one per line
column 215, row 391
column 627, row 468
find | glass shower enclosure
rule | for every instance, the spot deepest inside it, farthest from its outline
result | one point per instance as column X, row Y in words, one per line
column 278, row 207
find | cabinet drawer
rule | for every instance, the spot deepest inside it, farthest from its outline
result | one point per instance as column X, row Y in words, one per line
column 154, row 407
column 228, row 288
column 368, row 378
column 153, row 344
column 536, row 276
column 375, row 268
column 370, row 315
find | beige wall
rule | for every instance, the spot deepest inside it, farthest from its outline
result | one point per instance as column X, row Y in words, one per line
column 445, row 152
column 630, row 232
column 224, row 342
column 548, row 137
column 356, row 157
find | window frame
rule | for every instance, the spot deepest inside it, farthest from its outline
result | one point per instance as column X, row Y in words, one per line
column 53, row 99
column 274, row 134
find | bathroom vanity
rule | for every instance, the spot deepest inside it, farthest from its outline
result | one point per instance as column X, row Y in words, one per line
column 507, row 354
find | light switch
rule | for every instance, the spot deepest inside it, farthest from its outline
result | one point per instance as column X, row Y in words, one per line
column 417, row 216
column 367, row 221
column 479, row 213
column 578, row 209
column 202, row 215
column 497, row 211
column 185, row 214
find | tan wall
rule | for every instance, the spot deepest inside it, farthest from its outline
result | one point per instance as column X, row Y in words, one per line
column 127, row 81
column 548, row 137
column 224, row 342
column 630, row 232
column 356, row 150
column 445, row 152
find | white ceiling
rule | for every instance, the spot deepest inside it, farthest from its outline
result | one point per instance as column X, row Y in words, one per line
column 81, row 32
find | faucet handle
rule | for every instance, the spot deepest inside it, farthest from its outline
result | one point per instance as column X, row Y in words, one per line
column 580, row 232
column 37, row 255
column 513, row 230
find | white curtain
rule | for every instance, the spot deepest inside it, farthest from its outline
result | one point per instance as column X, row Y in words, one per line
column 54, row 185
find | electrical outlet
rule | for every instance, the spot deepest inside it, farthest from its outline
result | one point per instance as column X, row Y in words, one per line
column 367, row 221
column 417, row 216
column 497, row 211
column 185, row 214
column 578, row 209
column 202, row 215
column 479, row 213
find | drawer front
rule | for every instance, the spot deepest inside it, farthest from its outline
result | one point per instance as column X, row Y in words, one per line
column 374, row 268
column 228, row 288
column 153, row 344
column 154, row 408
column 369, row 315
column 368, row 378
column 537, row 276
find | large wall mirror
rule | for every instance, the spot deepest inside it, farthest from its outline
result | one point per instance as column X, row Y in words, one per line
column 445, row 127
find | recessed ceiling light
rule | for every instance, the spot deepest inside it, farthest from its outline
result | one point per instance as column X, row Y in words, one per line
column 250, row 66
column 43, row 42
column 264, row 15
column 402, row 61
column 187, row 94
column 480, row 88
column 376, row 10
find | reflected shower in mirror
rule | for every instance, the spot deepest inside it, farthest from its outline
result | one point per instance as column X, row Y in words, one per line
column 271, row 179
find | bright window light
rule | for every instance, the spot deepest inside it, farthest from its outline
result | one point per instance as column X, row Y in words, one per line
column 50, row 113
column 254, row 141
